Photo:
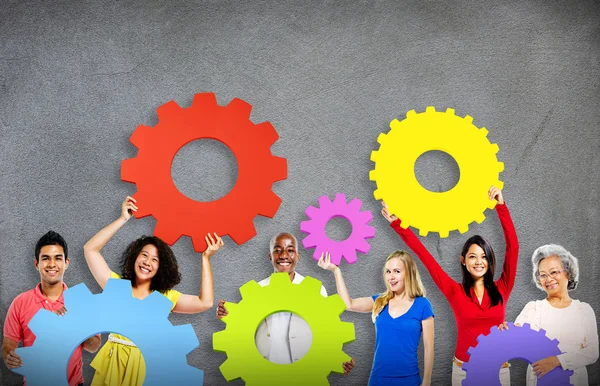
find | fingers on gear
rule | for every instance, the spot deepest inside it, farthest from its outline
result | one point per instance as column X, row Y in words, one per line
column 418, row 207
column 319, row 217
column 232, row 214
column 163, row 345
column 524, row 343
column 321, row 313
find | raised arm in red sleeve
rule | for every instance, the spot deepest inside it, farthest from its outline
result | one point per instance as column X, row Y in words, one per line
column 444, row 282
column 511, row 257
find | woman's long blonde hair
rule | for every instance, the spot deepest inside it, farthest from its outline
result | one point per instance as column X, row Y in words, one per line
column 413, row 287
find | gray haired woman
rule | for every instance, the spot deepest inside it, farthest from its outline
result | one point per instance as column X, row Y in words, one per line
column 572, row 322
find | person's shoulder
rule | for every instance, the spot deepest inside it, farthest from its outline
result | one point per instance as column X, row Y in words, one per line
column 265, row 281
column 24, row 296
column 422, row 300
column 583, row 306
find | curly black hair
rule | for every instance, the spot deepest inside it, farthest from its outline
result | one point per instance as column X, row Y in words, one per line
column 167, row 275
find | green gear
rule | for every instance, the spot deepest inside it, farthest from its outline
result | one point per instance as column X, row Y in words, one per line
column 321, row 313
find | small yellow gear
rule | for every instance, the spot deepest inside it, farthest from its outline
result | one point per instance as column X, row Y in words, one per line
column 321, row 313
column 418, row 207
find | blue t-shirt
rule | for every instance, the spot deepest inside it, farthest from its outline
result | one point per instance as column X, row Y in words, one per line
column 397, row 340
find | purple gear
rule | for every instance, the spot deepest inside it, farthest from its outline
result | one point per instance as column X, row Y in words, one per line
column 517, row 343
column 319, row 217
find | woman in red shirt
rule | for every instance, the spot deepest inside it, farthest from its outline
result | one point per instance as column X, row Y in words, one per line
column 478, row 302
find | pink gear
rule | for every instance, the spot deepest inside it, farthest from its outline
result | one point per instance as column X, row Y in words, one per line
column 319, row 217
column 232, row 214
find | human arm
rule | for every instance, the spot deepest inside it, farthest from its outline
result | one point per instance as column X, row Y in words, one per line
column 428, row 354
column 357, row 305
column 191, row 304
column 91, row 249
column 587, row 354
column 10, row 358
column 443, row 281
column 511, row 256
column 92, row 344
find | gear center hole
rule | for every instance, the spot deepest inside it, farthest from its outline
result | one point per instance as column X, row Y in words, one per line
column 437, row 171
column 204, row 170
column 338, row 228
column 284, row 338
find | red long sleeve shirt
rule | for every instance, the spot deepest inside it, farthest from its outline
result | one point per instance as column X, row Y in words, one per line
column 472, row 318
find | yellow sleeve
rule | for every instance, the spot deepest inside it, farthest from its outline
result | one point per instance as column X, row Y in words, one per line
column 173, row 296
column 114, row 275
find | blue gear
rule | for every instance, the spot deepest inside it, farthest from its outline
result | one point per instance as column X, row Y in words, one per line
column 497, row 347
column 145, row 322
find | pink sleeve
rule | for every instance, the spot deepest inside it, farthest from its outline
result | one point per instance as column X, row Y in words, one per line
column 12, row 326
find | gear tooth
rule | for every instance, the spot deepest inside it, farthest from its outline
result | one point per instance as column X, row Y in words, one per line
column 340, row 199
column 500, row 184
column 500, row 167
column 526, row 325
column 377, row 194
column 369, row 233
column 374, row 155
column 450, row 111
column 143, row 209
column 346, row 332
column 372, row 175
column 239, row 107
column 444, row 234
column 229, row 370
column 335, row 304
column 242, row 234
column 469, row 352
column 166, row 233
column 362, row 217
column 268, row 204
column 463, row 229
column 199, row 243
column 382, row 137
column 422, row 232
column 411, row 114
column 494, row 148
column 324, row 202
column 40, row 320
column 479, row 218
column 250, row 289
column 186, row 335
column 312, row 213
column 75, row 296
column 354, row 205
column 484, row 132
column 168, row 110
column 309, row 241
column 129, row 170
column 279, row 169
column 140, row 136
column 220, row 341
column 394, row 124
column 116, row 287
column 430, row 109
column 555, row 342
column 309, row 283
column 350, row 256
column 158, row 303
column 468, row 119
column 266, row 130
column 542, row 331
column 205, row 99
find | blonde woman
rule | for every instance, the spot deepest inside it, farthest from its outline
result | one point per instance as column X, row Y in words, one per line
column 401, row 315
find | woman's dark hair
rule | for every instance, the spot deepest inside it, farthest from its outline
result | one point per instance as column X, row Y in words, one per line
column 167, row 275
column 488, row 278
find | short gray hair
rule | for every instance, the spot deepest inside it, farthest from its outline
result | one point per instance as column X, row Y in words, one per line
column 274, row 239
column 569, row 263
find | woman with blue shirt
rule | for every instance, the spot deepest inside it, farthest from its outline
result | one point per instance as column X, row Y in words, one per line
column 401, row 315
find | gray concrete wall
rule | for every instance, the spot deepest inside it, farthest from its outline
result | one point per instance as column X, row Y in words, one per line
column 76, row 78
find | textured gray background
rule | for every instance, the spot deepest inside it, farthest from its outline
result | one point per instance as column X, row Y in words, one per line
column 76, row 78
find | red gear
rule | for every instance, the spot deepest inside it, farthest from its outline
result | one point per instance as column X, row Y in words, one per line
column 178, row 215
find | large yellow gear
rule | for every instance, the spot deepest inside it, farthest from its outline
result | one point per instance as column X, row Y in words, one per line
column 418, row 207
column 321, row 313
